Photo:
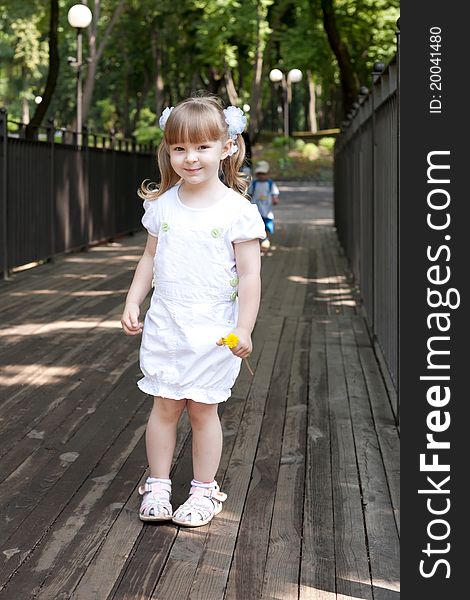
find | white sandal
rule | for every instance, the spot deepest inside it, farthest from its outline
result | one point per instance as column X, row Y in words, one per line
column 201, row 506
column 156, row 502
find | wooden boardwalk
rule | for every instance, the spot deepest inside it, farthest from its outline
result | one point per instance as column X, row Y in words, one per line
column 310, row 460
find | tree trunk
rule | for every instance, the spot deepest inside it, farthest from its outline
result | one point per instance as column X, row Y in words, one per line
column 230, row 87
column 126, row 116
column 348, row 76
column 279, row 9
column 312, row 112
column 256, row 88
column 53, row 72
column 158, row 62
column 95, row 54
column 215, row 81
column 140, row 100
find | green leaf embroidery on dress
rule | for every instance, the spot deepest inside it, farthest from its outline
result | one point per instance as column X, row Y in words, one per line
column 165, row 227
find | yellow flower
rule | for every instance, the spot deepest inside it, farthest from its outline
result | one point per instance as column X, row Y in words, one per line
column 231, row 340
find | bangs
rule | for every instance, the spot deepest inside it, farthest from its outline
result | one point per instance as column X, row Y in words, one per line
column 194, row 123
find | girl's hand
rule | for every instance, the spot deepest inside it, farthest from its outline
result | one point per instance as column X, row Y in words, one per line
column 130, row 319
column 244, row 347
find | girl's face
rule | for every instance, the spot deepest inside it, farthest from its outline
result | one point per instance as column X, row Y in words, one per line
column 198, row 163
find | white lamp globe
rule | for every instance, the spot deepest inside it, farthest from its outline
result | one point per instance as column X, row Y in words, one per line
column 294, row 75
column 276, row 75
column 79, row 16
column 246, row 107
column 38, row 99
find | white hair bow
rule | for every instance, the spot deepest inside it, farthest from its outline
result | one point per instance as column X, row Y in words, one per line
column 165, row 114
column 236, row 122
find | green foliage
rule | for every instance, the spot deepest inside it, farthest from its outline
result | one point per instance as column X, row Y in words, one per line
column 295, row 166
column 279, row 141
column 310, row 151
column 327, row 142
column 23, row 52
column 191, row 44
column 147, row 130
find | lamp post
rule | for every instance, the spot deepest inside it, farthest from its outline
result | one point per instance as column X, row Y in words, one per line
column 293, row 76
column 79, row 16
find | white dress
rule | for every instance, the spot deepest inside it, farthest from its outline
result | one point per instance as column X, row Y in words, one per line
column 194, row 302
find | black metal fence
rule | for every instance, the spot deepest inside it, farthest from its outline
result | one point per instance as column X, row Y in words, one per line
column 366, row 204
column 58, row 196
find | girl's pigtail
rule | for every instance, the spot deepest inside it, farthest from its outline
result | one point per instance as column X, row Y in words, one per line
column 231, row 166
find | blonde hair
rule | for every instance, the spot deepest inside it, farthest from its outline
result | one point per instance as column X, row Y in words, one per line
column 195, row 120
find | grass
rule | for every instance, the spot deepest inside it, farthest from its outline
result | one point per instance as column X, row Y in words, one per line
column 302, row 162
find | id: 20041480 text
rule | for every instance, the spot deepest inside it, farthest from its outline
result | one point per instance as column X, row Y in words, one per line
column 435, row 79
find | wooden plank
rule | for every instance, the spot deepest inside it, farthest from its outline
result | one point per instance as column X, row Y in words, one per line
column 317, row 566
column 343, row 295
column 211, row 578
column 60, row 295
column 123, row 495
column 382, row 534
column 387, row 433
column 77, row 458
column 50, row 357
column 43, row 409
column 58, row 563
column 352, row 567
column 281, row 574
column 34, row 284
column 294, row 295
column 270, row 260
column 279, row 258
column 245, row 581
column 315, row 303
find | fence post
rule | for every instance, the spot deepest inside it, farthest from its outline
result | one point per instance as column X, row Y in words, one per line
column 3, row 191
column 52, row 219
column 398, row 208
column 113, row 211
column 378, row 68
column 86, row 183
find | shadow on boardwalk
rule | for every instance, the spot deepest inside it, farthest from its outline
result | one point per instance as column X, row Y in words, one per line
column 310, row 461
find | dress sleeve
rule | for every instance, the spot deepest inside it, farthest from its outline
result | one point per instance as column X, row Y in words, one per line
column 151, row 220
column 248, row 224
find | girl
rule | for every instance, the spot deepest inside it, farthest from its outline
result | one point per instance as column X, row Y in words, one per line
column 203, row 251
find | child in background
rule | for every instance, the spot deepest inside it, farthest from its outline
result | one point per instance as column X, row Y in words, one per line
column 203, row 251
column 264, row 193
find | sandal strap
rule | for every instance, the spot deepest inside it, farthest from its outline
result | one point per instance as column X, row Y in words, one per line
column 213, row 493
column 157, row 487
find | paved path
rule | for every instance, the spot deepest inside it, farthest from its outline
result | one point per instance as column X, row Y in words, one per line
column 310, row 461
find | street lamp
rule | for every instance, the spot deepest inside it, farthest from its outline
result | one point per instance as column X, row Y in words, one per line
column 293, row 76
column 79, row 16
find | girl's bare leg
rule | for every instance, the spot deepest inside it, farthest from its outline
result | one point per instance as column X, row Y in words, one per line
column 160, row 436
column 207, row 439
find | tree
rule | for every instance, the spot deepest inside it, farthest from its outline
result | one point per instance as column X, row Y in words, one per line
column 53, row 72
column 23, row 53
column 349, row 78
column 96, row 50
